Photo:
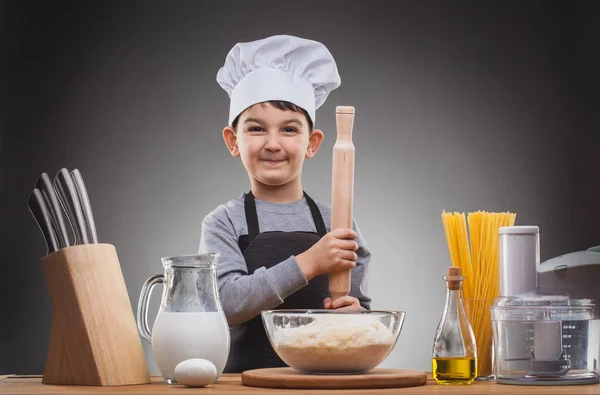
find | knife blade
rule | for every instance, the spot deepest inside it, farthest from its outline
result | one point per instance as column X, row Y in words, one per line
column 86, row 206
column 44, row 184
column 38, row 209
column 65, row 189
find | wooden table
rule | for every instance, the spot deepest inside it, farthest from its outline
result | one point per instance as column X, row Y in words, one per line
column 232, row 384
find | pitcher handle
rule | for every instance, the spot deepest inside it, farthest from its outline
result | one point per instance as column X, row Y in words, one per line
column 142, row 310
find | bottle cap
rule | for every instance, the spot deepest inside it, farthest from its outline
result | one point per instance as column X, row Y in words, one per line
column 454, row 277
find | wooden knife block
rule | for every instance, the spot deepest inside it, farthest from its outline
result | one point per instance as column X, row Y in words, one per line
column 94, row 338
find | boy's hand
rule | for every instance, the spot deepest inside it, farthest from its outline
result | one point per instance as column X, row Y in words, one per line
column 343, row 303
column 335, row 251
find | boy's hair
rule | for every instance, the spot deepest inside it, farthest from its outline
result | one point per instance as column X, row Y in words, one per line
column 283, row 106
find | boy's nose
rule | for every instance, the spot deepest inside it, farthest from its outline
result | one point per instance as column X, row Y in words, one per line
column 272, row 143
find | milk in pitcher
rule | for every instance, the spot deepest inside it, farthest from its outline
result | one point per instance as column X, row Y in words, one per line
column 178, row 336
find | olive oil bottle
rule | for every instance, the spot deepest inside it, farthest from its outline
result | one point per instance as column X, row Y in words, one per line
column 454, row 348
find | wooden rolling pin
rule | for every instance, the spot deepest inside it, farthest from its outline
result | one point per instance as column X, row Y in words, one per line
column 342, row 193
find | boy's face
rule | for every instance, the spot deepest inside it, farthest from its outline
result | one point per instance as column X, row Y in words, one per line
column 272, row 143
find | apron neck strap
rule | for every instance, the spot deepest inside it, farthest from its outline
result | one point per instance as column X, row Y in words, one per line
column 252, row 217
column 316, row 214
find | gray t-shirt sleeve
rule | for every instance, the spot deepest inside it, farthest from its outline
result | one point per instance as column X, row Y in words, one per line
column 244, row 295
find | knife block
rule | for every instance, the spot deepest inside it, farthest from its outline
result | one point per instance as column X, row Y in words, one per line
column 94, row 338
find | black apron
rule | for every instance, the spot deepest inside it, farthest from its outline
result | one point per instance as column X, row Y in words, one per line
column 250, row 346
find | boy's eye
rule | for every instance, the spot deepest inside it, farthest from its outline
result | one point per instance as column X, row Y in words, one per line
column 289, row 130
column 255, row 129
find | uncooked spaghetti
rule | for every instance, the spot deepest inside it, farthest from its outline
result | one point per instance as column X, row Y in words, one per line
column 476, row 252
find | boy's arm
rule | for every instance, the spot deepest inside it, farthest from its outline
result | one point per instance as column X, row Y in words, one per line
column 243, row 296
column 360, row 274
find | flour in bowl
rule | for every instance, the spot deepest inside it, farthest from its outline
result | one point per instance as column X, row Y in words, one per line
column 335, row 343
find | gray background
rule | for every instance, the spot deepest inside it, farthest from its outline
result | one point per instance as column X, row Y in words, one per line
column 459, row 106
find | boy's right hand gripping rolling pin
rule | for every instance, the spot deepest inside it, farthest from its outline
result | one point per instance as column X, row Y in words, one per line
column 342, row 193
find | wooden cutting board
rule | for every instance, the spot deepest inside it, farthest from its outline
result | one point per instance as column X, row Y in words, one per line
column 292, row 379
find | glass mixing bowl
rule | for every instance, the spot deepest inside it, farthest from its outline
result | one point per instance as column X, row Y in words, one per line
column 333, row 341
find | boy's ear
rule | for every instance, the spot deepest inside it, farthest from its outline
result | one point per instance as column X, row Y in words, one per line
column 314, row 142
column 230, row 139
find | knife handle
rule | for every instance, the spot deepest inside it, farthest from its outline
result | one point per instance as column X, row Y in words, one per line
column 65, row 189
column 44, row 184
column 86, row 206
column 38, row 209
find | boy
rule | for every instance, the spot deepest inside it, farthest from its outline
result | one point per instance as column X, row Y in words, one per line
column 275, row 244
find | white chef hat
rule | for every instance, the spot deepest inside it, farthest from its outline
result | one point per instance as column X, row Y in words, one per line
column 280, row 67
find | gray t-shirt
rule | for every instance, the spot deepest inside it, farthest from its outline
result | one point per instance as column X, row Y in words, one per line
column 243, row 296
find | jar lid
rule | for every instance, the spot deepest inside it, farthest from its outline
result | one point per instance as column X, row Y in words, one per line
column 518, row 230
column 542, row 308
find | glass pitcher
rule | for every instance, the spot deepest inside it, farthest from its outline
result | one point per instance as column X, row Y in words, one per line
column 190, row 322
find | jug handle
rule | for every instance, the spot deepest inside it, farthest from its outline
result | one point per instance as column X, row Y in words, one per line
column 142, row 310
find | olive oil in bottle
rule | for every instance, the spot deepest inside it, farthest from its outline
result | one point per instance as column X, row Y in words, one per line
column 454, row 370
column 454, row 349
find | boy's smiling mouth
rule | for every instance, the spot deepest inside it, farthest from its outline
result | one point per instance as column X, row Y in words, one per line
column 272, row 161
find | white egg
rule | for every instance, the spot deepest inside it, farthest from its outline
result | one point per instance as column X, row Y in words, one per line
column 196, row 372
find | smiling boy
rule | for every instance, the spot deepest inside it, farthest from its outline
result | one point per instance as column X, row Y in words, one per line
column 275, row 241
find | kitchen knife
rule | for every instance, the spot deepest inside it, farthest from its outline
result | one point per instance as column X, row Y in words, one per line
column 65, row 189
column 38, row 209
column 86, row 207
column 44, row 184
